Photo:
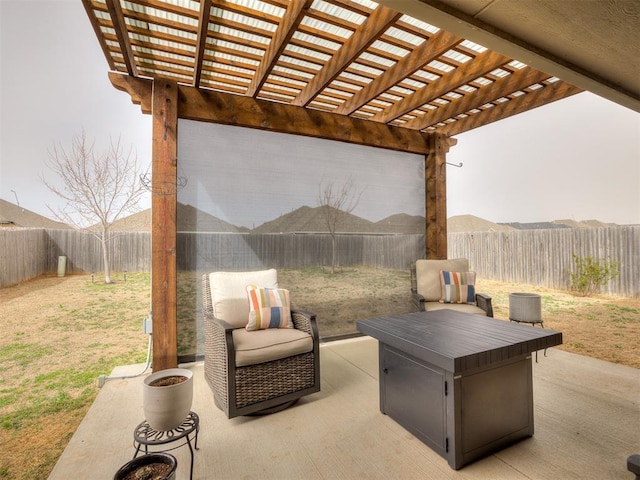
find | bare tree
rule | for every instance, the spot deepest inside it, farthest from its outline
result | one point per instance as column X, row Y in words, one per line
column 336, row 204
column 98, row 188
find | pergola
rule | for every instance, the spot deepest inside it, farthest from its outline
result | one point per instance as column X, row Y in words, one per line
column 406, row 75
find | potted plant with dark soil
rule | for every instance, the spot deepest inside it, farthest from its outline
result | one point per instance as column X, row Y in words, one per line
column 154, row 466
column 167, row 397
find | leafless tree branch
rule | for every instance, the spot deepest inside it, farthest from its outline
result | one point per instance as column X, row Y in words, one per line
column 336, row 204
column 97, row 188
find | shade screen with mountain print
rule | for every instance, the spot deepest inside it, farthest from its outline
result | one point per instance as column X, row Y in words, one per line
column 251, row 199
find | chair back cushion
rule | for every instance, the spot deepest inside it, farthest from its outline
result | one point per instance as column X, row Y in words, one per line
column 229, row 293
column 428, row 275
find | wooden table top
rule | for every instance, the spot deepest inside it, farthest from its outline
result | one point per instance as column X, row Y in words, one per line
column 455, row 341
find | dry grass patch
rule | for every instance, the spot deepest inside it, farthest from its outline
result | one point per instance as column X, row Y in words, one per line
column 602, row 326
column 31, row 452
column 59, row 335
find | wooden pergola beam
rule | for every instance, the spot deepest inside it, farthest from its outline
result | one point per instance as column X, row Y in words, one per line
column 95, row 23
column 542, row 96
column 407, row 65
column 368, row 32
column 290, row 21
column 120, row 26
column 241, row 111
column 484, row 63
column 518, row 80
column 201, row 42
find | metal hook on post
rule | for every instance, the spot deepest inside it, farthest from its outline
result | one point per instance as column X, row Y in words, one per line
column 442, row 165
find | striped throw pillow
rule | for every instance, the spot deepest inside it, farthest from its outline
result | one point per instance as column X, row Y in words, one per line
column 268, row 308
column 457, row 287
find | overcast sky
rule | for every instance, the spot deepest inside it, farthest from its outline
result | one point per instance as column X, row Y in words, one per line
column 578, row 158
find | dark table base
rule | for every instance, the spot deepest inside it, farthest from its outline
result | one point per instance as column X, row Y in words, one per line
column 461, row 383
column 462, row 418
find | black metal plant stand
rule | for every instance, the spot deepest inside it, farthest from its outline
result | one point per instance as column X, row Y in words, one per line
column 147, row 436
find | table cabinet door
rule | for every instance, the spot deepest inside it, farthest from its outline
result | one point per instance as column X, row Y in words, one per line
column 496, row 408
column 413, row 394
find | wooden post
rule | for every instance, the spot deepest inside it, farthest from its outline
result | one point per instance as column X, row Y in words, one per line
column 163, row 227
column 436, row 196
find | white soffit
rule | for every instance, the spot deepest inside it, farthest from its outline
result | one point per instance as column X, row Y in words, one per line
column 593, row 45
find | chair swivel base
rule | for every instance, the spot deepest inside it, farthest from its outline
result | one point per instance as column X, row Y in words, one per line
column 274, row 409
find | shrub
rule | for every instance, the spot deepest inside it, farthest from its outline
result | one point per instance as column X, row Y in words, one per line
column 592, row 274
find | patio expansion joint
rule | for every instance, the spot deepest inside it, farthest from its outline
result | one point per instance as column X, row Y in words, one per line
column 346, row 359
column 498, row 457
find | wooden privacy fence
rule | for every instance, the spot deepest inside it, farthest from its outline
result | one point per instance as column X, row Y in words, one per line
column 28, row 253
column 40, row 249
column 219, row 251
column 534, row 257
column 545, row 257
column 130, row 251
column 22, row 255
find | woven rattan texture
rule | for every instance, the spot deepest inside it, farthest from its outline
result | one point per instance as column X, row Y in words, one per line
column 256, row 383
column 215, row 361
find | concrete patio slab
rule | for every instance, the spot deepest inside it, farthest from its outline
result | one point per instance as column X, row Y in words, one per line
column 587, row 422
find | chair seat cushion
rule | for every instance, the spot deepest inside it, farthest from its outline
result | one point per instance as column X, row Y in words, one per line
column 261, row 346
column 458, row 307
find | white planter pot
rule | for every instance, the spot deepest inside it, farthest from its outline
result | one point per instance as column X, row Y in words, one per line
column 525, row 307
column 166, row 407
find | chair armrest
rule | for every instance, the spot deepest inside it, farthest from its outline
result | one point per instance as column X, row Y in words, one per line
column 219, row 358
column 218, row 333
column 305, row 321
column 219, row 322
column 414, row 278
column 221, row 334
column 418, row 301
column 484, row 302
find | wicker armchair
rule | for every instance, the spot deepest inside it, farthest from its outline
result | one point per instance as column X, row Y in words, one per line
column 262, row 371
column 425, row 287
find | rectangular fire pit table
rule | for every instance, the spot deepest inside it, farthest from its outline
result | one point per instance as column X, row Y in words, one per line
column 461, row 383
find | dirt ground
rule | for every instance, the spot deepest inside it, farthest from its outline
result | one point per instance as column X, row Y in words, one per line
column 60, row 334
column 601, row 326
